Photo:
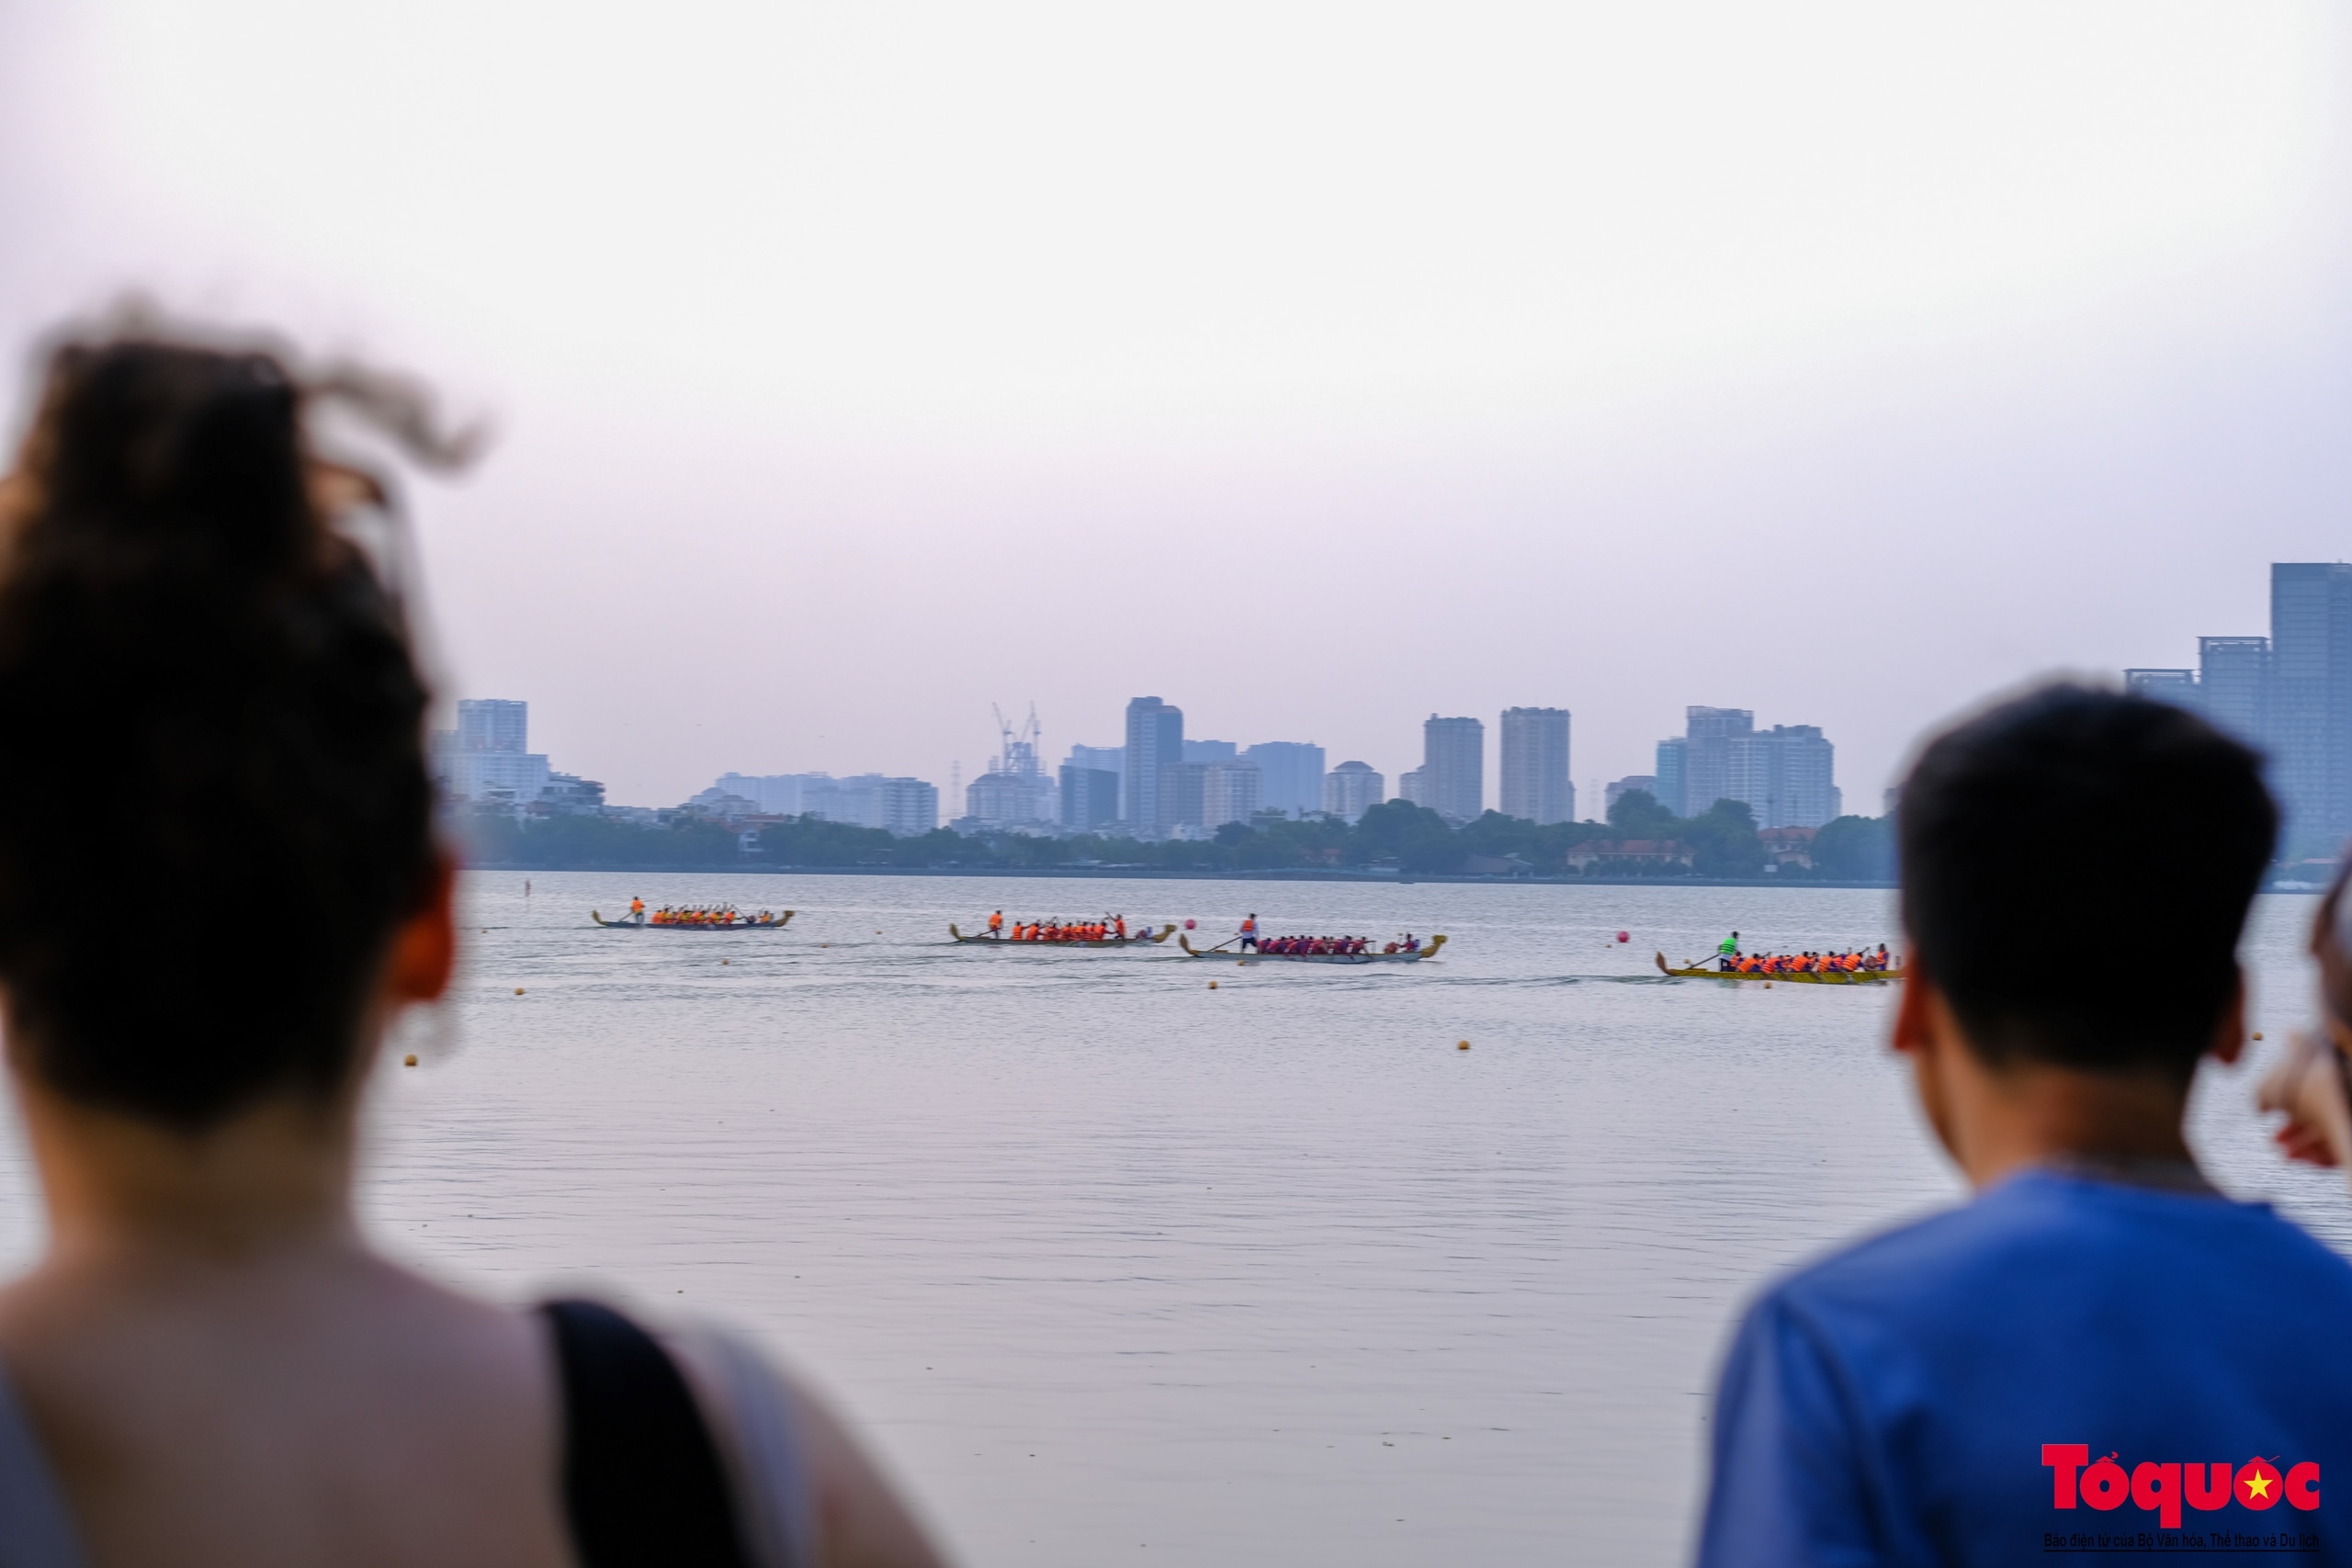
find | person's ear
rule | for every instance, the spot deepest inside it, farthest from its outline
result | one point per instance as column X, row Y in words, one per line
column 1913, row 1018
column 424, row 949
column 2229, row 1035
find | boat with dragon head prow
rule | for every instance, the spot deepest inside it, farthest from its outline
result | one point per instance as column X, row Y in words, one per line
column 1052, row 939
column 1824, row 975
column 1317, row 950
column 721, row 918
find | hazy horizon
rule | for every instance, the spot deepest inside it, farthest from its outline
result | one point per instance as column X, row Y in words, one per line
column 1314, row 367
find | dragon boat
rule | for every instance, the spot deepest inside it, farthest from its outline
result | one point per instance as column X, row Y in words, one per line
column 982, row 939
column 1255, row 957
column 1794, row 977
column 775, row 923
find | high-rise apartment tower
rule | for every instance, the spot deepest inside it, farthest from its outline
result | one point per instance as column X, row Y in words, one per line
column 1454, row 767
column 1154, row 743
column 1352, row 789
column 1535, row 783
column 1293, row 771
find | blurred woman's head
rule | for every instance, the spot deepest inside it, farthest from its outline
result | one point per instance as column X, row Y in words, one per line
column 2332, row 945
column 214, row 810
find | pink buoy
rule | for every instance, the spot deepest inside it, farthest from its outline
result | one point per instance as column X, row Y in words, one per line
column 1192, row 925
column 1625, row 936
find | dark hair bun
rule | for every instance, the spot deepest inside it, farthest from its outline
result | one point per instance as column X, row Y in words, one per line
column 195, row 453
column 217, row 809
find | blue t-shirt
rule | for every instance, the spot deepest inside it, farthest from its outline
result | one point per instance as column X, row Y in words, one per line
column 2065, row 1370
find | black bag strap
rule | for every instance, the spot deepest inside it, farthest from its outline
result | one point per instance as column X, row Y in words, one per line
column 642, row 1482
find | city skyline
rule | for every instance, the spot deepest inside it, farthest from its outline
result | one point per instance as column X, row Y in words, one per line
column 1785, row 773
column 2035, row 401
column 2287, row 693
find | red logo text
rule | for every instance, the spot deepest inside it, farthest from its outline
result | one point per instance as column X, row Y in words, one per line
column 2076, row 1479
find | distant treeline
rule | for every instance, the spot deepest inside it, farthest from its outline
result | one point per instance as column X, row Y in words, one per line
column 1723, row 843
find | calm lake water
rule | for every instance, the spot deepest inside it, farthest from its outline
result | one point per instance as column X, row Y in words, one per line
column 1114, row 1266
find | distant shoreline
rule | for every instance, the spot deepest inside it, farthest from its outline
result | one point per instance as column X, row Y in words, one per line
column 1154, row 874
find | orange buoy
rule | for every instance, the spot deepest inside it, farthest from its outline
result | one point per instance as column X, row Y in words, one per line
column 1462, row 1044
column 518, row 990
column 1212, row 985
column 726, row 961
column 408, row 1061
column 2257, row 1035
column 1767, row 985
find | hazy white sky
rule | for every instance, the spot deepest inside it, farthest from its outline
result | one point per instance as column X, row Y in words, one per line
column 1312, row 366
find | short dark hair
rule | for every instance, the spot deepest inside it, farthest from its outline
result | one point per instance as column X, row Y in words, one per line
column 215, row 810
column 2048, row 843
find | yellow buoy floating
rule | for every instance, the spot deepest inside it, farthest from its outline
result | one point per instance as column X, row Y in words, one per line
column 726, row 961
column 2257, row 1035
column 1462, row 1044
column 1212, row 985
column 518, row 990
column 408, row 1061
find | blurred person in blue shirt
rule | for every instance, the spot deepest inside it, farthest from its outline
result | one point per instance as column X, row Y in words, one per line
column 2098, row 1354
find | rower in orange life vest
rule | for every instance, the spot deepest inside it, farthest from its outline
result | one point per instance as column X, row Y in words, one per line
column 996, row 924
column 637, row 911
column 1249, row 931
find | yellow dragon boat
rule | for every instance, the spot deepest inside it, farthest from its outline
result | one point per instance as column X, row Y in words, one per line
column 1794, row 977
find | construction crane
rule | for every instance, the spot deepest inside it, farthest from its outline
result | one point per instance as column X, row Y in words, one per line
column 1020, row 754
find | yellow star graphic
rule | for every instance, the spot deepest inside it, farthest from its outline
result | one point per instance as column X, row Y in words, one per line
column 2257, row 1486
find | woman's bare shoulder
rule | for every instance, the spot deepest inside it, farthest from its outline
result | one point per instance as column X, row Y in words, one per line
column 342, row 1399
column 813, row 1497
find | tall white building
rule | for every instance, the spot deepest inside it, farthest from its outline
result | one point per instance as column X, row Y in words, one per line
column 1707, row 764
column 1535, row 783
column 1352, row 789
column 1230, row 792
column 1154, row 743
column 487, row 757
column 907, row 808
column 493, row 724
column 1454, row 767
column 1785, row 775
